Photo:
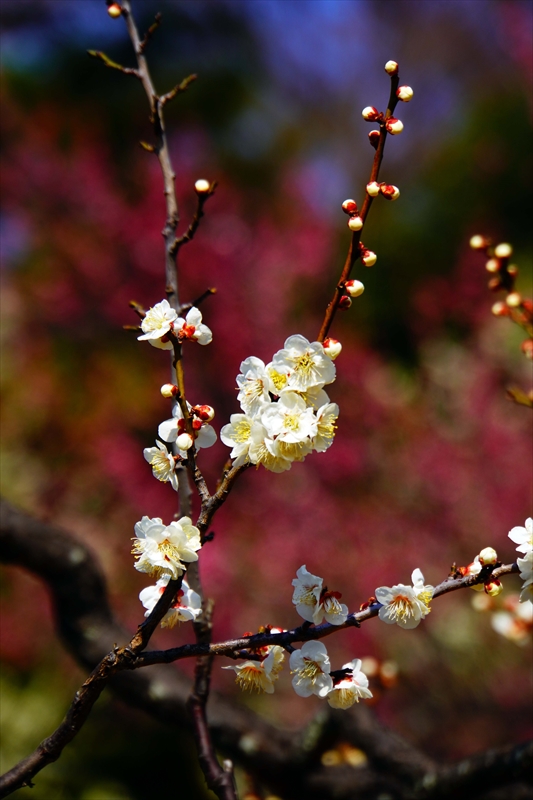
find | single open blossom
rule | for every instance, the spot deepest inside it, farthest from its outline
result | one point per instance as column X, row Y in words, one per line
column 192, row 328
column 165, row 549
column 304, row 363
column 188, row 605
column 326, row 419
column 254, row 384
column 162, row 463
column 238, row 435
column 159, row 320
column 405, row 605
column 314, row 602
column 310, row 667
column 169, row 430
column 260, row 676
column 523, row 537
column 350, row 688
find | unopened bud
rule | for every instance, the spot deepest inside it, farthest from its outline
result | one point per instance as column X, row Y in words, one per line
column 527, row 348
column 370, row 113
column 499, row 309
column 332, row 348
column 478, row 242
column 391, row 67
column 495, row 284
column 394, row 125
column 372, row 188
column 349, row 207
column 488, row 556
column 368, row 258
column 354, row 288
column 355, row 223
column 114, row 10
column 204, row 412
column 514, row 299
column 184, row 441
column 373, row 138
column 389, row 191
column 202, row 186
column 492, row 265
column 512, row 270
column 345, row 302
column 404, row 93
column 169, row 390
column 493, row 588
column 503, row 250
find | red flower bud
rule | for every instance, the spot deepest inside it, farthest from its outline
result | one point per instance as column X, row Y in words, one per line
column 349, row 207
column 370, row 113
column 345, row 302
column 373, row 138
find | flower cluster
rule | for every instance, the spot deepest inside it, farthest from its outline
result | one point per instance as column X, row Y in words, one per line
column 523, row 537
column 405, row 605
column 188, row 605
column 314, row 602
column 162, row 319
column 286, row 412
column 165, row 549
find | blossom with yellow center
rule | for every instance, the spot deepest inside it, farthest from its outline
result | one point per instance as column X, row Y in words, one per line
column 165, row 549
column 157, row 322
column 405, row 605
column 162, row 463
column 351, row 687
column 305, row 363
column 260, row 676
column 310, row 667
column 313, row 602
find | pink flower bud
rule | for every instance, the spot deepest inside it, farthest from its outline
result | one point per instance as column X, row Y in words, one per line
column 345, row 302
column 527, row 348
column 394, row 125
column 389, row 191
column 354, row 288
column 205, row 413
column 499, row 309
column 349, row 207
column 514, row 299
column 493, row 588
column 488, row 556
column 492, row 265
column 169, row 390
column 478, row 242
column 404, row 93
column 370, row 113
column 369, row 258
column 355, row 223
column 391, row 67
column 114, row 10
column 332, row 348
column 184, row 441
column 503, row 250
column 372, row 188
column 202, row 186
column 373, row 138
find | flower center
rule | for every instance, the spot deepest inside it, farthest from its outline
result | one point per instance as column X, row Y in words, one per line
column 252, row 678
column 401, row 607
column 292, row 422
column 304, row 364
column 309, row 672
column 241, row 433
column 169, row 551
column 278, row 379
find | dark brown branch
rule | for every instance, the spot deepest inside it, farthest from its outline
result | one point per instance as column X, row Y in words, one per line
column 193, row 227
column 353, row 250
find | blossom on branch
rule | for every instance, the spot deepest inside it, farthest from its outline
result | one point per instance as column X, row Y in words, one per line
column 171, row 429
column 405, row 605
column 163, row 464
column 313, row 602
column 165, row 549
column 310, row 667
column 158, row 321
column 259, row 676
column 304, row 363
column 349, row 688
column 188, row 605
column 192, row 328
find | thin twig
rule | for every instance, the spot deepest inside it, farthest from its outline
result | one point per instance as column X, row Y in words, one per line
column 193, row 227
column 150, row 32
column 178, row 89
column 113, row 64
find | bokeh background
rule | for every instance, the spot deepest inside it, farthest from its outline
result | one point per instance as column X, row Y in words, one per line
column 431, row 462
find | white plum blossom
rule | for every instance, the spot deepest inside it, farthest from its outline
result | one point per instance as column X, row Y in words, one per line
column 163, row 464
column 171, row 429
column 523, row 537
column 289, row 420
column 260, row 676
column 158, row 321
column 326, row 417
column 314, row 603
column 305, row 364
column 238, row 435
column 310, row 667
column 165, row 549
column 188, row 605
column 254, row 384
column 192, row 328
column 266, row 451
column 405, row 605
column 350, row 688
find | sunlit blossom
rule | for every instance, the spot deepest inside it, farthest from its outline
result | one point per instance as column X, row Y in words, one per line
column 192, row 328
column 162, row 549
column 237, row 434
column 169, row 430
column 305, row 363
column 351, row 687
column 314, row 602
column 326, row 416
column 523, row 537
column 289, row 420
column 162, row 463
column 253, row 383
column 188, row 605
column 405, row 605
column 158, row 321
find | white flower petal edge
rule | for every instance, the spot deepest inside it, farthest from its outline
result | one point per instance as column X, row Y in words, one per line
column 405, row 605
column 192, row 328
column 162, row 463
column 188, row 605
column 523, row 537
column 310, row 666
column 158, row 321
column 165, row 549
column 351, row 688
column 313, row 602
